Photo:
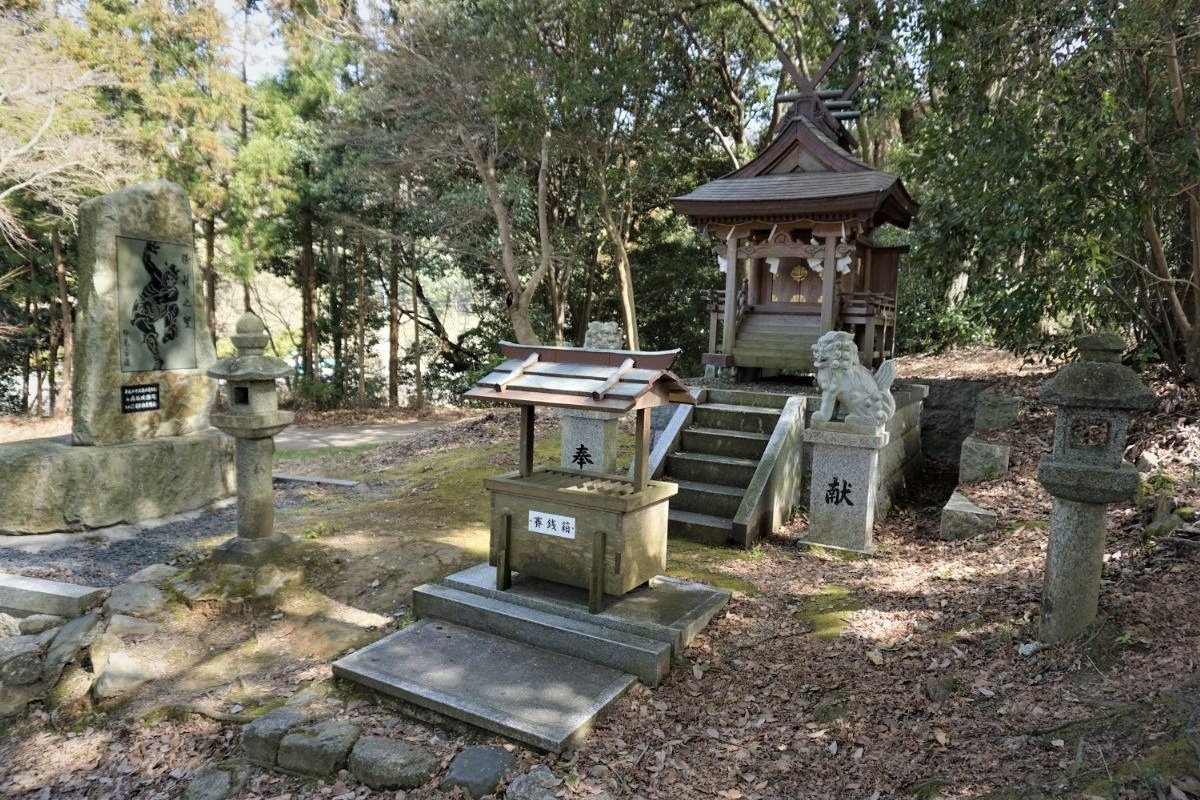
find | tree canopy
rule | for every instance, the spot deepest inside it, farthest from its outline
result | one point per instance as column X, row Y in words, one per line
column 530, row 149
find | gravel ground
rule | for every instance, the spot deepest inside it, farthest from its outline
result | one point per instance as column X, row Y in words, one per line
column 107, row 556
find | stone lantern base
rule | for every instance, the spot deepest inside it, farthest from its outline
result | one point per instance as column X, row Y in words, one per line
column 248, row 552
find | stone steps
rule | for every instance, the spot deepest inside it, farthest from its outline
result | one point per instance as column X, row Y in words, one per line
column 706, row 468
column 714, row 498
column 781, row 338
column 717, row 442
column 791, row 322
column 666, row 610
column 718, row 458
column 697, row 527
column 730, row 417
column 738, row 397
column 648, row 659
column 772, row 359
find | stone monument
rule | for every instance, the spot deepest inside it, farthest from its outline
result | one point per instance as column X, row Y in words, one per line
column 140, row 397
column 1085, row 472
column 845, row 454
column 141, row 327
column 589, row 438
column 253, row 419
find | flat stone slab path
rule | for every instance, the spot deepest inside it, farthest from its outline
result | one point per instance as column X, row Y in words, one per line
column 535, row 696
column 37, row 596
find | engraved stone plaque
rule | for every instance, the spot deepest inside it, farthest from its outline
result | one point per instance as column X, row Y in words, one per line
column 140, row 397
column 155, row 305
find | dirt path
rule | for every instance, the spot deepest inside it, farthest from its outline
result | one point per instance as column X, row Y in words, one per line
column 297, row 438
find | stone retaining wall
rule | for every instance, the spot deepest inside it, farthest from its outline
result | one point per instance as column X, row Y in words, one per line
column 901, row 457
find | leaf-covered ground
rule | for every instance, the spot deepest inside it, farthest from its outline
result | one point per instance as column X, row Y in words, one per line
column 912, row 673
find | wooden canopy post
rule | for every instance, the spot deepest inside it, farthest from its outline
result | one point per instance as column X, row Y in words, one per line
column 641, row 456
column 525, row 457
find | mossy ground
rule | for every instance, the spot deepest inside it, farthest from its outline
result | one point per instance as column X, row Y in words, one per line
column 826, row 612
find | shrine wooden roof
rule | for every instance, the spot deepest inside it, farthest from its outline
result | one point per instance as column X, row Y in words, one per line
column 805, row 172
column 876, row 197
column 615, row 381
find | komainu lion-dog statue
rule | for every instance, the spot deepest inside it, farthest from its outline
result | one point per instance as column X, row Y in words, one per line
column 866, row 398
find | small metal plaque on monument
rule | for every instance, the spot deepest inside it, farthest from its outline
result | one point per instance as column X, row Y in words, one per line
column 157, row 315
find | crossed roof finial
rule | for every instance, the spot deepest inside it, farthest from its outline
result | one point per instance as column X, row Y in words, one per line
column 804, row 83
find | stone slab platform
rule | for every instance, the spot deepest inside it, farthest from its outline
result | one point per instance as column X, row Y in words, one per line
column 23, row 596
column 535, row 696
column 648, row 659
column 667, row 609
column 50, row 485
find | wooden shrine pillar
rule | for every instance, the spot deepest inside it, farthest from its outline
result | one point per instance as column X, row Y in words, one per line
column 731, row 290
column 753, row 280
column 829, row 279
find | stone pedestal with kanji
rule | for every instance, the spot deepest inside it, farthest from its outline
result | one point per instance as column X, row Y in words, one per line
column 589, row 441
column 845, row 482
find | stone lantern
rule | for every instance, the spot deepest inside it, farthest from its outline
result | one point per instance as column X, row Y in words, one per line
column 1085, row 472
column 253, row 419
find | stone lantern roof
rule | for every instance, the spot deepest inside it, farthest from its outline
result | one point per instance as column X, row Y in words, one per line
column 249, row 364
column 1098, row 380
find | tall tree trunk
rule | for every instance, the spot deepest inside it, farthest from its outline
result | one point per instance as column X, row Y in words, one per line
column 589, row 291
column 361, row 323
column 616, row 236
column 27, row 363
column 520, row 295
column 393, row 294
column 26, row 371
column 39, row 371
column 210, row 275
column 52, row 363
column 418, row 378
column 66, row 317
column 336, row 293
column 308, row 286
column 546, row 261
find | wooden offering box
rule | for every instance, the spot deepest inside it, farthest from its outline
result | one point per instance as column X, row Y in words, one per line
column 606, row 533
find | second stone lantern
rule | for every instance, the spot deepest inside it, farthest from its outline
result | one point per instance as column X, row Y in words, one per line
column 253, row 418
column 1085, row 472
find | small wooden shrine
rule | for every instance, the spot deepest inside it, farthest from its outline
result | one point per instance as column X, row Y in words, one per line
column 795, row 228
column 606, row 533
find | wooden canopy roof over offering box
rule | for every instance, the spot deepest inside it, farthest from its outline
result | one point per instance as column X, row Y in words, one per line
column 615, row 381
